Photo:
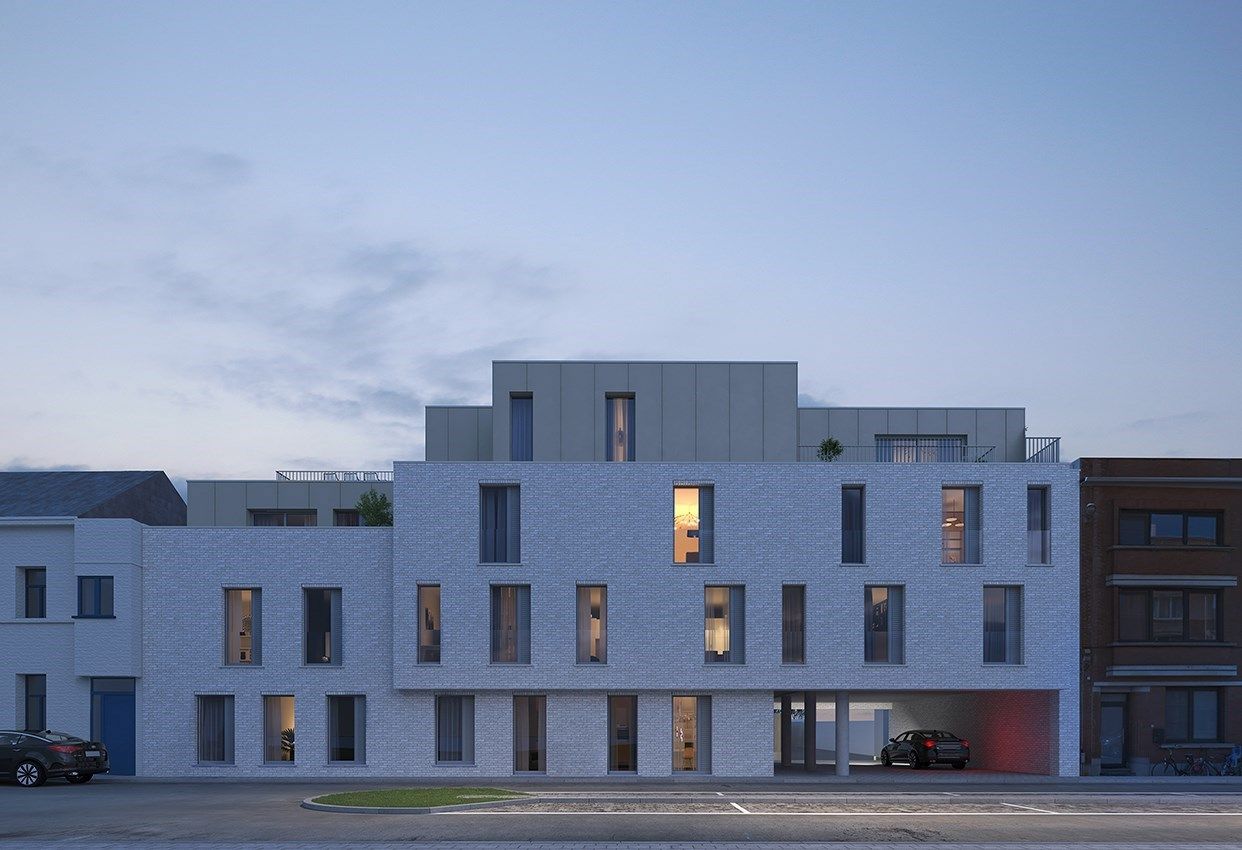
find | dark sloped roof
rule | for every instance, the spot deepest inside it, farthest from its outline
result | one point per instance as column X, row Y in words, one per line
column 46, row 494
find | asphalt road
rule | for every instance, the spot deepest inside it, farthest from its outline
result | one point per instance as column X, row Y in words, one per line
column 119, row 813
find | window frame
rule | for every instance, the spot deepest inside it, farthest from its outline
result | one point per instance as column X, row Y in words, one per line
column 439, row 632
column 706, row 530
column 1045, row 532
column 788, row 632
column 969, row 535
column 467, row 729
column 521, row 647
column 359, row 732
column 632, row 701
column 267, row 698
column 849, row 548
column 1021, row 626
column 737, row 630
column 1218, row 515
column 513, row 515
column 889, row 639
column 582, row 629
column 256, row 627
column 527, row 449
column 228, row 733
column 1149, row 612
column 99, row 598
column 336, row 625
column 35, row 697
column 354, row 513
column 27, row 587
column 1190, row 692
column 631, row 434
column 313, row 513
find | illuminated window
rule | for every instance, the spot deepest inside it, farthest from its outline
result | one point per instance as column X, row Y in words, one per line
column 278, row 729
column 694, row 525
column 692, row 733
column 592, row 624
column 623, row 734
column 885, row 625
column 429, row 624
column 959, row 525
column 619, row 427
column 511, row 624
column 243, row 613
column 724, row 624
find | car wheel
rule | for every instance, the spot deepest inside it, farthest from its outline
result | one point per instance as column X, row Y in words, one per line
column 80, row 779
column 959, row 765
column 885, row 760
column 30, row 774
column 914, row 762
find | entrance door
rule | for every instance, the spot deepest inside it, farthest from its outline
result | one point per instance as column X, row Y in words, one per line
column 112, row 722
column 1113, row 730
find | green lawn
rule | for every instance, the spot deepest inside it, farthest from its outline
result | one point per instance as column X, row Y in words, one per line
column 412, row 797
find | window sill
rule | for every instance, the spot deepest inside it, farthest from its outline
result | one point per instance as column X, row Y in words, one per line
column 1001, row 664
column 853, row 563
column 894, row 664
column 238, row 666
column 280, row 764
column 35, row 620
column 590, row 663
column 501, row 564
column 694, row 563
column 1039, row 565
column 1144, row 643
column 509, row 664
column 454, row 764
column 215, row 764
column 429, row 663
column 724, row 663
column 336, row 666
column 94, row 617
column 346, row 763
column 793, row 663
column 971, row 564
column 1196, row 745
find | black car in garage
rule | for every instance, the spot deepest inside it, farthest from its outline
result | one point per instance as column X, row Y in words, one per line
column 925, row 747
column 31, row 758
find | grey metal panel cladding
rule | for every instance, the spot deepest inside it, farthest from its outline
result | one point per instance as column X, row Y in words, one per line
column 932, row 420
column 578, row 433
column 544, row 382
column 903, row 421
column 231, row 500
column 780, row 411
column 746, row 411
column 435, row 437
column 292, row 494
column 201, row 503
column 647, row 386
column 1015, row 433
column 844, row 425
column 485, row 433
column 962, row 421
column 711, row 411
column 678, row 409
column 506, row 378
column 812, row 425
column 609, row 378
column 870, row 423
column 991, row 431
column 261, row 494
column 463, row 434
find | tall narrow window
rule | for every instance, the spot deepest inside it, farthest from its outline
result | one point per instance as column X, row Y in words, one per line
column 724, row 624
column 511, row 624
column 347, row 728
column 793, row 623
column 853, row 507
column 35, row 581
column 215, row 729
column 36, row 701
column 592, row 624
column 429, row 624
column 1002, row 624
column 322, row 615
column 1038, row 530
column 243, row 627
column 455, row 729
column 278, row 729
column 500, row 525
column 959, row 525
column 623, row 734
column 692, row 734
column 694, row 525
column 529, row 734
column 521, row 427
column 94, row 596
column 884, row 634
column 619, row 427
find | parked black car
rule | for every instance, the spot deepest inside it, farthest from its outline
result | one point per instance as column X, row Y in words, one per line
column 925, row 747
column 30, row 758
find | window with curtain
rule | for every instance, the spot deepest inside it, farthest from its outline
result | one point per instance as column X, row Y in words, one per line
column 268, row 518
column 1002, row 624
column 530, row 734
column 347, row 728
column 35, row 686
column 692, row 734
column 623, row 734
column 1038, row 527
column 429, row 624
column 853, row 506
column 455, row 729
column 243, row 614
column 1158, row 614
column 34, row 580
column 347, row 518
column 793, row 623
column 694, row 525
column 619, row 427
column 885, row 632
column 592, row 624
column 215, row 729
column 500, row 524
column 521, row 427
column 278, row 729
column 511, row 624
column 95, row 596
column 1191, row 714
column 959, row 525
column 724, row 624
column 322, row 617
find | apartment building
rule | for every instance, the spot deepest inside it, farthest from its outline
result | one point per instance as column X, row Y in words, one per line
column 638, row 569
column 1160, row 570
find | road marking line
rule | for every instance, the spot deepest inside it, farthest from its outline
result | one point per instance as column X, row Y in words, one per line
column 1030, row 809
column 739, row 808
column 719, row 793
column 1020, row 814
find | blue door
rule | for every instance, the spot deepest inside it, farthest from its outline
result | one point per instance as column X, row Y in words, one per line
column 112, row 722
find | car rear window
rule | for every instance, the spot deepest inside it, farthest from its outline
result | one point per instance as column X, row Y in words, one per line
column 945, row 736
column 59, row 736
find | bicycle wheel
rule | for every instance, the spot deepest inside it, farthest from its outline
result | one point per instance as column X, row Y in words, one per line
column 1164, row 768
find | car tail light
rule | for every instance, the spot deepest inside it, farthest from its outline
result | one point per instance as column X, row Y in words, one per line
column 929, row 743
column 65, row 748
column 966, row 743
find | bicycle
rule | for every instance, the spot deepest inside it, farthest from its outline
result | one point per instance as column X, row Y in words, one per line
column 1168, row 767
column 1201, row 765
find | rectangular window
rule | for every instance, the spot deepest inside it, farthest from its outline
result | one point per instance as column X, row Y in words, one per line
column 243, row 626
column 429, row 624
column 592, row 624
column 455, row 729
column 1170, row 528
column 347, row 518
column 912, row 449
column 500, row 524
column 885, row 631
column 269, row 518
column 510, row 624
column 619, row 427
column 278, row 729
column 853, row 507
column 623, row 734
column 959, row 525
column 1169, row 615
column 322, row 616
column 36, row 701
column 1191, row 714
column 694, row 525
column 1038, row 528
column 94, row 596
column 529, row 734
column 692, row 734
column 793, row 623
column 521, row 427
column 1002, row 624
column 724, row 624
column 34, row 580
column 215, row 730
column 347, row 729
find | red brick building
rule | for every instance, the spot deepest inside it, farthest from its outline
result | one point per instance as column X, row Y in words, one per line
column 1161, row 609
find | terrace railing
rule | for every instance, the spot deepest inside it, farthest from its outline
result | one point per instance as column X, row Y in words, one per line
column 331, row 475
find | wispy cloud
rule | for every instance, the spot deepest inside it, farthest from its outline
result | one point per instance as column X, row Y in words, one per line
column 1161, row 422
